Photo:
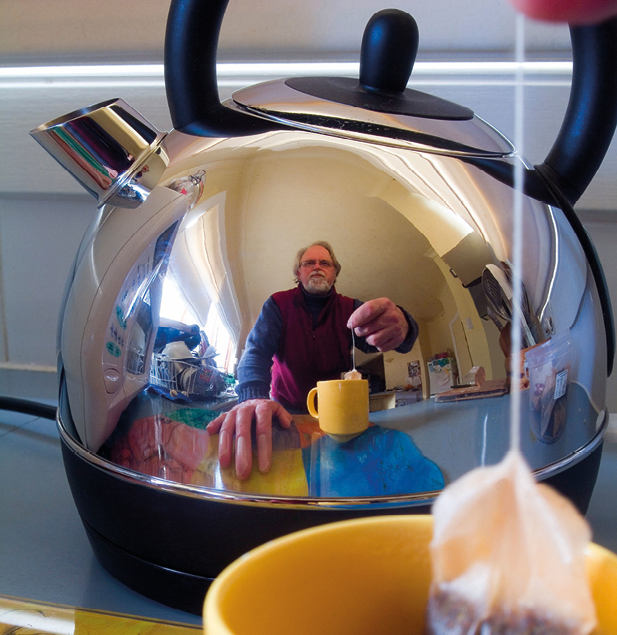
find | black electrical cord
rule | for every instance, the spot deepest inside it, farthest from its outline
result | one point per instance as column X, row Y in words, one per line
column 28, row 407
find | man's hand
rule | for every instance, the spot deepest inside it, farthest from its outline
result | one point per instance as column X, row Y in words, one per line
column 381, row 322
column 238, row 422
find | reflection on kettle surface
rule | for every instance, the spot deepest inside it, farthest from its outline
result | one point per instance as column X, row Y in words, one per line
column 427, row 231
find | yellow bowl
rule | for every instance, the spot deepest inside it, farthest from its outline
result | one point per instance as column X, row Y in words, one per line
column 369, row 575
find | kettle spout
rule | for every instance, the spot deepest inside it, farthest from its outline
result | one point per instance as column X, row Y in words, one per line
column 111, row 149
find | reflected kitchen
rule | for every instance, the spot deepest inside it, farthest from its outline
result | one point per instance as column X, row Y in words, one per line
column 434, row 246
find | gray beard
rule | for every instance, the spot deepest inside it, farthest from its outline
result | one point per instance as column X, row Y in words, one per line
column 318, row 285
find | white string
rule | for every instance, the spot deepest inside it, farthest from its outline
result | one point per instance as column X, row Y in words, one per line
column 517, row 246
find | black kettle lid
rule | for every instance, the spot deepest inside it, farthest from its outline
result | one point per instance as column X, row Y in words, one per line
column 377, row 107
column 388, row 53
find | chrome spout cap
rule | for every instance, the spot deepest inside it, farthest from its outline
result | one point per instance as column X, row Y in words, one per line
column 111, row 149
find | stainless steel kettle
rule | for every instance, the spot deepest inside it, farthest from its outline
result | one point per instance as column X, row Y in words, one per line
column 198, row 226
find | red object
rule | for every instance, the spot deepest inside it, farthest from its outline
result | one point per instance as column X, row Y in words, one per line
column 306, row 355
column 571, row 11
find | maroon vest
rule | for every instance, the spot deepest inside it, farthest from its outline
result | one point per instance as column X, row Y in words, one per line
column 307, row 355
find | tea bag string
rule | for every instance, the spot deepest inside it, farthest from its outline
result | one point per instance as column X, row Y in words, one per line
column 353, row 349
column 516, row 354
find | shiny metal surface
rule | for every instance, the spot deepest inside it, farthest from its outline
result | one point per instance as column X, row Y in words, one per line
column 231, row 496
column 112, row 150
column 265, row 500
column 277, row 101
column 429, row 231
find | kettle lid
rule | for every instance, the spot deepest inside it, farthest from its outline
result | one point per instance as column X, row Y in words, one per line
column 377, row 107
column 297, row 103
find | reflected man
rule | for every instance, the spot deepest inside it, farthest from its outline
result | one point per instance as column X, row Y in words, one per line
column 303, row 335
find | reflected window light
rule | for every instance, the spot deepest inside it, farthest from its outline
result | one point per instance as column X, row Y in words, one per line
column 174, row 308
column 219, row 337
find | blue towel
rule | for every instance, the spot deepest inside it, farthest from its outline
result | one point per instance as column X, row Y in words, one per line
column 378, row 462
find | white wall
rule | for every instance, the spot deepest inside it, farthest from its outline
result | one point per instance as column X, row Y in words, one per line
column 133, row 30
column 38, row 241
column 43, row 213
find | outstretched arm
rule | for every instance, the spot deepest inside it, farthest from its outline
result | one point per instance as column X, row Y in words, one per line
column 255, row 405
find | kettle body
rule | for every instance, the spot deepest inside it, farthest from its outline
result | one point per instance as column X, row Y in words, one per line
column 440, row 247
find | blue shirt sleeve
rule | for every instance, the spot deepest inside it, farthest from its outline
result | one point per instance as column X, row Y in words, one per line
column 255, row 366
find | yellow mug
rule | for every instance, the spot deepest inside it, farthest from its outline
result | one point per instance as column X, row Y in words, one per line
column 365, row 575
column 343, row 406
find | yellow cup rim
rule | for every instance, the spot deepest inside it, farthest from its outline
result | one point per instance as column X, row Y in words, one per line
column 213, row 620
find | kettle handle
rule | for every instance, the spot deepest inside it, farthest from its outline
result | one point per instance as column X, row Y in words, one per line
column 591, row 116
column 191, row 41
column 583, row 141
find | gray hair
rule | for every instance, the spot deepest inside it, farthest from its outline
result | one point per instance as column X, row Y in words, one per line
column 301, row 252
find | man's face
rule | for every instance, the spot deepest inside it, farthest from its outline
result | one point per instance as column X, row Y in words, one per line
column 317, row 279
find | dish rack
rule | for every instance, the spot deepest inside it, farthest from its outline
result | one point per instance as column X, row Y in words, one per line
column 189, row 378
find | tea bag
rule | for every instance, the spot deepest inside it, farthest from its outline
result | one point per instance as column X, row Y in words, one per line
column 508, row 557
column 352, row 374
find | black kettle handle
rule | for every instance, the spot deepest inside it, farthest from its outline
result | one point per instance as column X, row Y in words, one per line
column 191, row 42
column 583, row 141
column 591, row 116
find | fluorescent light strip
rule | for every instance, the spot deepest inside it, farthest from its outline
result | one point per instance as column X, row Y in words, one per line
column 284, row 69
column 84, row 84
column 235, row 76
column 237, row 84
column 134, row 70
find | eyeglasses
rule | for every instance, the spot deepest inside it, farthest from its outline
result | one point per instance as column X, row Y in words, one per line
column 324, row 264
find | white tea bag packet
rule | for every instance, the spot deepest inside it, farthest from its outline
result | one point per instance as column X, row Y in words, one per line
column 508, row 557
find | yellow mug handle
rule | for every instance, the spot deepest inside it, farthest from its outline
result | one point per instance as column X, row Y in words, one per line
column 310, row 403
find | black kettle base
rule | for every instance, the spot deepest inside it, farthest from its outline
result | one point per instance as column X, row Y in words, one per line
column 176, row 589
